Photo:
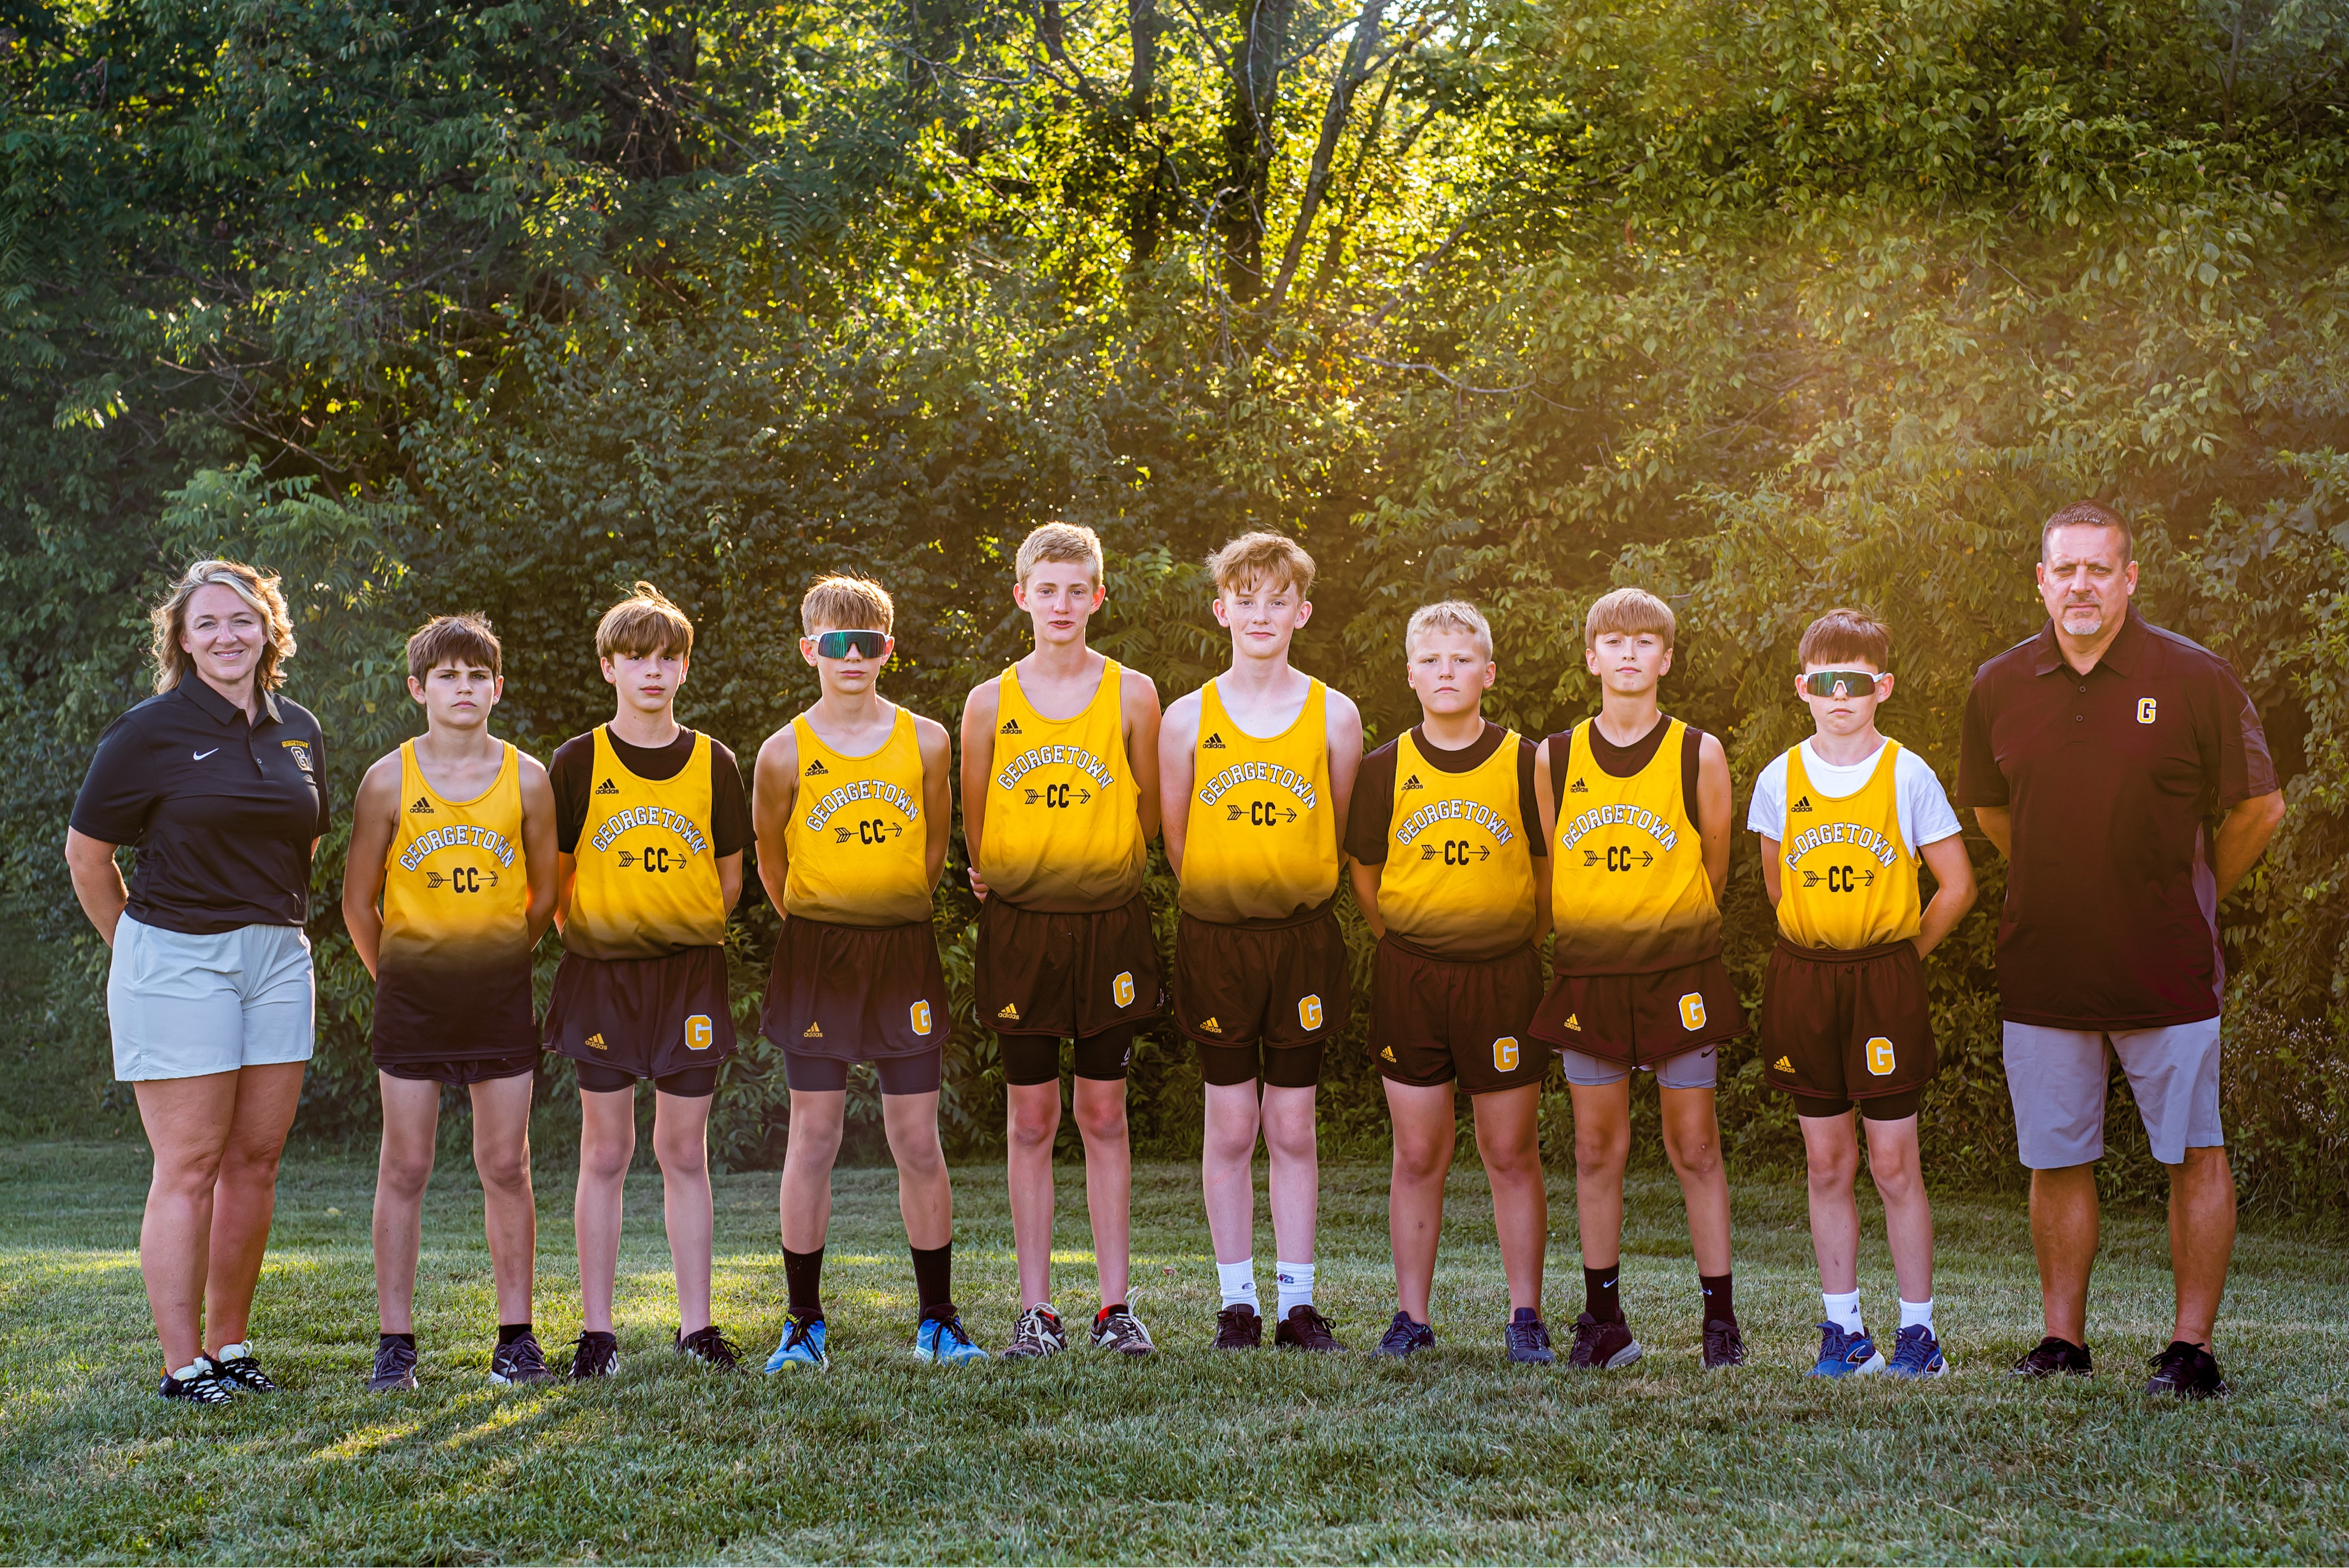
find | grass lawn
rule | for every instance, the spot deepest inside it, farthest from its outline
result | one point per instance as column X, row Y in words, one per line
column 1190, row 1456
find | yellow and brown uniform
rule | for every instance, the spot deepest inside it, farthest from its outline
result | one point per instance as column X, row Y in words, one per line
column 1636, row 968
column 1257, row 953
column 1066, row 947
column 1456, row 977
column 856, row 975
column 453, row 998
column 1844, row 1015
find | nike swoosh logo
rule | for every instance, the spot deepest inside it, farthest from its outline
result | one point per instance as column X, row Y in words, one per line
column 201, row 754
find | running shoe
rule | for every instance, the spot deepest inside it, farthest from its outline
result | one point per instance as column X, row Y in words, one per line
column 1305, row 1329
column 1845, row 1353
column 1723, row 1345
column 1239, row 1327
column 2052, row 1356
column 1116, row 1328
column 595, row 1354
column 1527, row 1338
column 1602, row 1346
column 199, row 1383
column 2186, row 1372
column 395, row 1366
column 1037, row 1334
column 1403, row 1338
column 1916, row 1354
column 519, row 1360
column 802, row 1346
column 943, row 1339
column 240, row 1371
column 710, row 1347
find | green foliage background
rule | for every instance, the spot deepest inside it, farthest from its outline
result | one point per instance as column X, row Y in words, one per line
column 1767, row 306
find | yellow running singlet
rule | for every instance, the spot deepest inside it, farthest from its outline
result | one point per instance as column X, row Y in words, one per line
column 455, row 891
column 1062, row 831
column 1628, row 890
column 1459, row 876
column 1845, row 880
column 648, row 879
column 1263, row 839
column 857, row 842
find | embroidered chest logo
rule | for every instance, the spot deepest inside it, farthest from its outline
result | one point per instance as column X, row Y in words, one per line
column 423, row 808
column 1010, row 727
column 607, row 788
column 1214, row 742
column 816, row 769
column 301, row 750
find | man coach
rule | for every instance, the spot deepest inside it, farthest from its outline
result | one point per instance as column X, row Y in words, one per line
column 2096, row 753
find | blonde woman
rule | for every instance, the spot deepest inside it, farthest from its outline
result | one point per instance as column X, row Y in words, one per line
column 218, row 781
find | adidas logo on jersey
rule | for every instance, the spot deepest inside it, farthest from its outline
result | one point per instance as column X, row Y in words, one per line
column 1010, row 727
column 423, row 808
column 1577, row 788
column 1212, row 1026
column 816, row 769
column 812, row 1032
column 1213, row 743
column 1802, row 805
column 607, row 788
column 1411, row 783
column 1010, row 1012
column 597, row 1040
column 1782, row 1065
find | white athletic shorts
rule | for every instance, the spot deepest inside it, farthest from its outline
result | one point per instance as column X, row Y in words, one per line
column 182, row 1005
column 2057, row 1079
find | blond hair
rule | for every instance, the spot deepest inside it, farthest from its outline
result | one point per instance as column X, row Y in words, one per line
column 1450, row 616
column 842, row 603
column 1262, row 559
column 261, row 594
column 644, row 623
column 1628, row 611
column 1063, row 544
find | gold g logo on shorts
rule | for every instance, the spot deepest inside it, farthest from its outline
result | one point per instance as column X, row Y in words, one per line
column 1692, row 1011
column 1120, row 990
column 2144, row 709
column 1505, row 1054
column 1309, row 1012
column 697, row 1032
column 1879, row 1053
column 920, row 1014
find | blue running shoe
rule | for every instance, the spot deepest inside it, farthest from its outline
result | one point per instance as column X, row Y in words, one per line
column 943, row 1339
column 1916, row 1354
column 1843, row 1355
column 802, row 1346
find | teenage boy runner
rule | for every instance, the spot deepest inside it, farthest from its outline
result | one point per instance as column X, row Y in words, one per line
column 1255, row 769
column 1444, row 834
column 1059, row 801
column 1636, row 809
column 854, row 801
column 651, row 819
column 1844, row 1018
column 454, row 832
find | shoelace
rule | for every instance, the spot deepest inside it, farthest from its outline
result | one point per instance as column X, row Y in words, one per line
column 204, row 1388
column 1033, row 1328
column 798, row 1334
column 524, row 1356
column 588, row 1360
column 245, row 1372
column 1401, row 1336
column 712, row 1347
column 392, row 1356
column 952, row 1327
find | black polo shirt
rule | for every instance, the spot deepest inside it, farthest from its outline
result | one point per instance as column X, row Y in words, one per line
column 2111, row 777
column 223, row 810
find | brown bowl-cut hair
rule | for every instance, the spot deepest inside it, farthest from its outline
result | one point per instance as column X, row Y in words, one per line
column 260, row 592
column 465, row 641
column 1846, row 634
column 645, row 622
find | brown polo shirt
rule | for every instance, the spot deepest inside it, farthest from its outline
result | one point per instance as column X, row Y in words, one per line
column 2112, row 779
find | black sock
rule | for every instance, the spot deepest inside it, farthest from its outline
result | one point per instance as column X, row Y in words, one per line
column 803, row 1278
column 934, row 1279
column 509, row 1331
column 407, row 1339
column 1720, row 1306
column 1599, row 1292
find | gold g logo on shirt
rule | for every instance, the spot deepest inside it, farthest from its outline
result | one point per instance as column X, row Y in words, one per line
column 2145, row 707
column 697, row 1032
column 1309, row 1012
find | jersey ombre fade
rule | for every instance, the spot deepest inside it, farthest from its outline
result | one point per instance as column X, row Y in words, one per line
column 646, row 885
column 452, row 975
column 1846, row 879
column 1063, row 826
column 1458, row 882
column 1262, row 843
column 1628, row 890
column 857, row 842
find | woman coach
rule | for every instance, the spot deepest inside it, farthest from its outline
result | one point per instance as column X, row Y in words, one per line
column 218, row 781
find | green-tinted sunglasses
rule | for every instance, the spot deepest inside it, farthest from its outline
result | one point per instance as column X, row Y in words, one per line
column 838, row 645
column 1841, row 683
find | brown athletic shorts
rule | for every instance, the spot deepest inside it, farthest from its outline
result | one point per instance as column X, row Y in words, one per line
column 1286, row 984
column 1436, row 1020
column 464, row 1074
column 854, row 993
column 1065, row 976
column 1636, row 1020
column 1840, row 1028
column 646, row 1017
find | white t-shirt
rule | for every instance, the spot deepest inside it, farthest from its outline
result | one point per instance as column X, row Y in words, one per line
column 1926, row 817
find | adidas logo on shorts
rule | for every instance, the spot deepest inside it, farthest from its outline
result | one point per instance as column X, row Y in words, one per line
column 1213, row 743
column 1010, row 1012
column 1411, row 783
column 1802, row 805
column 1782, row 1064
column 1574, row 1022
column 422, row 807
column 812, row 1032
column 1388, row 1052
column 1010, row 727
column 1212, row 1026
column 607, row 788
column 816, row 769
column 1577, row 788
column 597, row 1040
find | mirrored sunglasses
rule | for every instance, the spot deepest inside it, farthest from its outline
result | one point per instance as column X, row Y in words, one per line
column 1841, row 683
column 837, row 644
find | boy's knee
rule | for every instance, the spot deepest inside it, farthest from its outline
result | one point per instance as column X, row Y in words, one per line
column 1103, row 1121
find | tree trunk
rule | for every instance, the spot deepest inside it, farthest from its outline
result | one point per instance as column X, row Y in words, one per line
column 1250, row 129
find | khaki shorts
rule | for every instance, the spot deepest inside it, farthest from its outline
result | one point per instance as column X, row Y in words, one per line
column 2057, row 1079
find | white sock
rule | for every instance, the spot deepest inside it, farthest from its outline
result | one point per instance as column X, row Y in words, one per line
column 1913, row 1312
column 1238, row 1281
column 1843, row 1310
column 1296, row 1282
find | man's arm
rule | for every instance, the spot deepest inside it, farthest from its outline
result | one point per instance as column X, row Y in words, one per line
column 1714, row 809
column 774, row 788
column 538, row 840
column 1176, row 735
column 374, row 817
column 938, row 799
column 978, row 760
column 2243, row 837
column 1953, row 872
column 1997, row 824
column 1138, row 697
column 1366, row 880
column 1344, row 725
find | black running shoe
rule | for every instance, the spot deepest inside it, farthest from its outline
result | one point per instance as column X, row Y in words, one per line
column 1723, row 1345
column 594, row 1356
column 1305, row 1329
column 1239, row 1328
column 1603, row 1346
column 240, row 1371
column 1036, row 1334
column 520, row 1361
column 1527, row 1338
column 395, row 1366
column 2186, row 1372
column 1116, row 1328
column 2053, row 1358
column 711, row 1347
column 200, row 1386
column 1403, row 1338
